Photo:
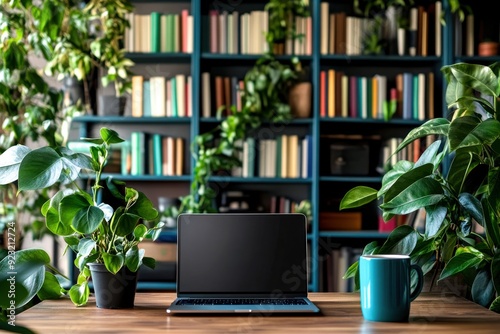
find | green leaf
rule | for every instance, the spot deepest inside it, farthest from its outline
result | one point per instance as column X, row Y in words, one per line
column 113, row 262
column 469, row 131
column 358, row 196
column 407, row 179
column 149, row 262
column 51, row 288
column 435, row 126
column 435, row 217
column 422, row 193
column 125, row 224
column 10, row 160
column 495, row 305
column 473, row 206
column 402, row 240
column 400, row 168
column 87, row 220
column 79, row 293
column 142, row 207
column 133, row 258
column 40, row 169
column 482, row 289
column 462, row 164
column 479, row 77
column 85, row 246
column 459, row 263
column 140, row 231
column 29, row 266
column 110, row 136
column 429, row 155
column 491, row 224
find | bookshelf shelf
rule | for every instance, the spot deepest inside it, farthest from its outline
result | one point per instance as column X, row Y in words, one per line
column 159, row 57
column 132, row 120
column 261, row 180
column 354, row 234
column 146, row 178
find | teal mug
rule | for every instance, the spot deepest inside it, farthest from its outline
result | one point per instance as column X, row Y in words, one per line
column 385, row 286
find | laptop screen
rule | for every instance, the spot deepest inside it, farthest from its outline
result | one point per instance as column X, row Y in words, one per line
column 242, row 254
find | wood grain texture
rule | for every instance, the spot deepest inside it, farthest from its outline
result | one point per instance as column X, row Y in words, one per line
column 341, row 313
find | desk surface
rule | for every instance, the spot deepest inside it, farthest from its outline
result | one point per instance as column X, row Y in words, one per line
column 341, row 313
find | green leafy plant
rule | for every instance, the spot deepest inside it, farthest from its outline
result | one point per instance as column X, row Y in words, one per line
column 456, row 182
column 61, row 38
column 96, row 231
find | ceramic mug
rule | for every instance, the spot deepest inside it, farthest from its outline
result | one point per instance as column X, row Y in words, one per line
column 385, row 286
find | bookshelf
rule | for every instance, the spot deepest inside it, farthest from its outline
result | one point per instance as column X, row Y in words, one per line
column 322, row 187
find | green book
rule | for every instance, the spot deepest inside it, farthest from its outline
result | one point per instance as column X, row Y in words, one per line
column 157, row 154
column 155, row 32
column 173, row 97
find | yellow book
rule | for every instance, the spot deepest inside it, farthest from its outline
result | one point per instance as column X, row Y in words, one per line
column 374, row 106
column 293, row 156
column 331, row 93
column 137, row 95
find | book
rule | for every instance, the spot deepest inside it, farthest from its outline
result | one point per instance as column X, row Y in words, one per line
column 137, row 95
column 324, row 27
column 180, row 85
column 157, row 96
column 206, row 103
column 155, row 31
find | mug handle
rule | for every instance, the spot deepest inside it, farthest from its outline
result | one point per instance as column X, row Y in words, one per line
column 420, row 281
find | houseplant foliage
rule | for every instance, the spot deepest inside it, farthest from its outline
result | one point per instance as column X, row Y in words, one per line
column 456, row 181
column 264, row 99
column 96, row 231
column 62, row 38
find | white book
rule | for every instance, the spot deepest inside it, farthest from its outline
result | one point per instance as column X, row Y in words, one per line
column 205, row 94
column 304, row 158
column 190, row 33
column 421, row 96
column 157, row 96
column 364, row 98
column 382, row 95
column 180, row 81
column 244, row 33
column 189, row 98
column 262, row 158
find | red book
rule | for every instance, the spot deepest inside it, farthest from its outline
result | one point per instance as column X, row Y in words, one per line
column 322, row 94
column 184, row 30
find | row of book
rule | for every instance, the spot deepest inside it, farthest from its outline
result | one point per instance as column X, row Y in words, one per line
column 159, row 96
column 411, row 95
column 160, row 32
column 286, row 156
column 332, row 266
column 342, row 33
column 245, row 33
column 152, row 154
column 224, row 91
column 411, row 152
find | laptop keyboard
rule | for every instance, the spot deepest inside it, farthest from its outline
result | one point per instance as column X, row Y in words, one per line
column 242, row 301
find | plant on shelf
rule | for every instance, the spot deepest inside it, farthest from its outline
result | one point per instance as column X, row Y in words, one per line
column 456, row 182
column 264, row 99
column 52, row 37
column 101, row 234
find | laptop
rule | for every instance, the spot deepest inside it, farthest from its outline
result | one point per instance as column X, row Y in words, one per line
column 241, row 263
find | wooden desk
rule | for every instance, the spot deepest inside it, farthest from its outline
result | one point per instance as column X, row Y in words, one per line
column 341, row 313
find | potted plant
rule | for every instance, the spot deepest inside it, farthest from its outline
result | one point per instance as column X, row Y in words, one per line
column 105, row 237
column 456, row 182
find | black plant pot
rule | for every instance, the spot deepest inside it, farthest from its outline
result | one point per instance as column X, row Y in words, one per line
column 113, row 291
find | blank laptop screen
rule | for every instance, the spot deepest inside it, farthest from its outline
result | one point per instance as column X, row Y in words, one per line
column 242, row 254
